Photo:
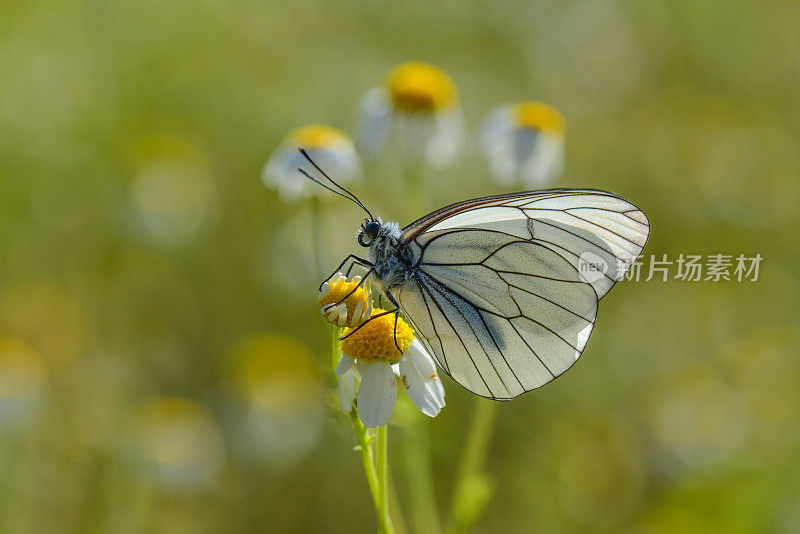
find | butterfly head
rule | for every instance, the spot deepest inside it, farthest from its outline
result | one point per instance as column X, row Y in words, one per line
column 368, row 232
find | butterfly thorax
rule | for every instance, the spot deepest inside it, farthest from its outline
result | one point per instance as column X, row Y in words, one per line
column 390, row 257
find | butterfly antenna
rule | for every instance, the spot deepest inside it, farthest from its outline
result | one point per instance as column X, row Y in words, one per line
column 332, row 190
column 329, row 188
column 348, row 194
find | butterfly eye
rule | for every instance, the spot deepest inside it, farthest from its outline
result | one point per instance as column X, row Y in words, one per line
column 371, row 229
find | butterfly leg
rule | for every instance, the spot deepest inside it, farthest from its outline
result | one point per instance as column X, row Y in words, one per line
column 361, row 283
column 356, row 329
column 396, row 309
column 354, row 260
column 391, row 299
column 350, row 269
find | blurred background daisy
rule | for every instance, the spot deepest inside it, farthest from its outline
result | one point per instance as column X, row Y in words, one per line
column 330, row 148
column 524, row 145
column 416, row 112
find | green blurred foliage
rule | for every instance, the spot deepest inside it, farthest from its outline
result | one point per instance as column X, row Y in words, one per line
column 152, row 291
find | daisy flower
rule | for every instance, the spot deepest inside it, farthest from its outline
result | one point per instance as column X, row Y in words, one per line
column 345, row 302
column 524, row 144
column 330, row 148
column 369, row 355
column 417, row 108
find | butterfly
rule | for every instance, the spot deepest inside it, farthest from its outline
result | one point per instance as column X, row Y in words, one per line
column 503, row 290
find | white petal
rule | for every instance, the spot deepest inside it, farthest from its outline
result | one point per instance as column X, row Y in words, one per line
column 342, row 314
column 413, row 133
column 368, row 311
column 333, row 313
column 377, row 395
column 357, row 314
column 496, row 128
column 423, row 360
column 498, row 146
column 346, row 162
column 326, row 288
column 438, row 391
column 545, row 162
column 347, row 387
column 361, row 367
column 375, row 121
column 421, row 381
column 345, row 363
column 339, row 159
column 281, row 173
column 446, row 139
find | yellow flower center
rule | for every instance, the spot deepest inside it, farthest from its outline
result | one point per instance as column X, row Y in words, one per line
column 339, row 295
column 537, row 116
column 316, row 136
column 419, row 87
column 375, row 340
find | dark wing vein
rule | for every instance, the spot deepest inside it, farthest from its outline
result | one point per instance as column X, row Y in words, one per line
column 474, row 334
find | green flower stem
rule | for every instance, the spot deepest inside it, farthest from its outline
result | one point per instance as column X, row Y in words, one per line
column 317, row 236
column 358, row 427
column 377, row 479
column 418, row 466
column 480, row 434
column 416, row 200
column 395, row 513
column 473, row 489
column 384, row 522
column 366, row 456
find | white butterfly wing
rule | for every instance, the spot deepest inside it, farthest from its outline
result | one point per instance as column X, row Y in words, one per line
column 499, row 298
